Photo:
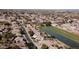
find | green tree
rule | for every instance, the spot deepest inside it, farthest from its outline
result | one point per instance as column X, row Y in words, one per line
column 44, row 46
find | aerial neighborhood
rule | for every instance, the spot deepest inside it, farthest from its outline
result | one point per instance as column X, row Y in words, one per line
column 39, row 29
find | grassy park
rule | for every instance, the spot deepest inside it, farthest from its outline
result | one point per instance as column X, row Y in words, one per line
column 64, row 33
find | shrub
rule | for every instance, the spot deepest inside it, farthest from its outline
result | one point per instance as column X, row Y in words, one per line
column 44, row 46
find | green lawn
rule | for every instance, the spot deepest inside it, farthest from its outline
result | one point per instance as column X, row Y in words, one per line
column 69, row 35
